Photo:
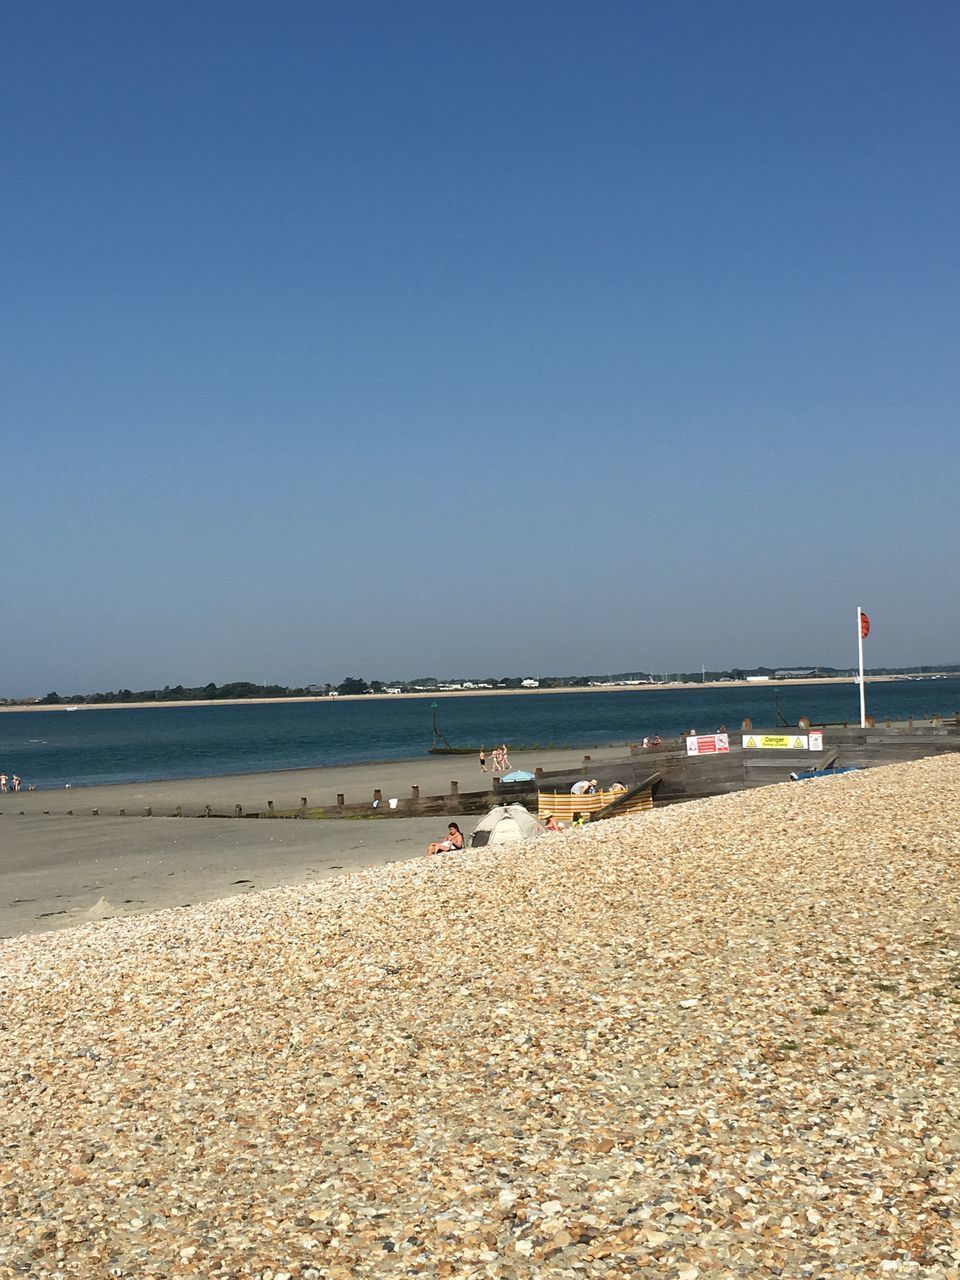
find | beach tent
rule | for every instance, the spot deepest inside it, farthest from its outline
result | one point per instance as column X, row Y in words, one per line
column 505, row 824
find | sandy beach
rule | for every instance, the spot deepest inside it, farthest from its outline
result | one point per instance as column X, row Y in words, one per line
column 57, row 870
column 357, row 782
column 718, row 1040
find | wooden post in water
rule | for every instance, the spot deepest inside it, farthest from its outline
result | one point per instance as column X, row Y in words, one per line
column 148, row 812
column 378, row 797
column 270, row 807
column 178, row 811
column 303, row 806
column 207, row 811
column 414, row 793
column 340, row 800
column 454, row 788
column 238, row 810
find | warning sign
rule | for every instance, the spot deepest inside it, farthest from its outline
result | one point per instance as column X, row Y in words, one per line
column 783, row 741
column 707, row 744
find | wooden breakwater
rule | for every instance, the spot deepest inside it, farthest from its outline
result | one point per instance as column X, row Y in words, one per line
column 376, row 804
column 671, row 774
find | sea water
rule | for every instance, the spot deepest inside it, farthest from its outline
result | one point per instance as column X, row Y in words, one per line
column 104, row 745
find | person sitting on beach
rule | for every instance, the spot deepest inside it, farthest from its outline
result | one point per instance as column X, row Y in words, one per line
column 453, row 841
column 580, row 818
column 552, row 824
column 616, row 786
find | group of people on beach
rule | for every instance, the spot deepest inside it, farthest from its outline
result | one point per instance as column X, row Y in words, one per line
column 499, row 760
column 10, row 784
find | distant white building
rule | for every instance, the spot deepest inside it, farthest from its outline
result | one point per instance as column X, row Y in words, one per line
column 529, row 684
column 756, row 679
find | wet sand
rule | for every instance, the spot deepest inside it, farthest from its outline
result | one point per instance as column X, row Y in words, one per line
column 357, row 782
column 59, row 870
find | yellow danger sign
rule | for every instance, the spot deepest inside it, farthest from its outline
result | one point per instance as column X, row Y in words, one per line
column 776, row 741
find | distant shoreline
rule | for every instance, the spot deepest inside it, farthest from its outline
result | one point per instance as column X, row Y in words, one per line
column 473, row 693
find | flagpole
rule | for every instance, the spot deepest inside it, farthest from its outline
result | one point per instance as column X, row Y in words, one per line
column 863, row 697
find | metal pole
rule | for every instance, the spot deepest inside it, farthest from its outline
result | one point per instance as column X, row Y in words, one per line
column 863, row 697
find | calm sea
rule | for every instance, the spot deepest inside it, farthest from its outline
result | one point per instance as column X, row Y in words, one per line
column 104, row 745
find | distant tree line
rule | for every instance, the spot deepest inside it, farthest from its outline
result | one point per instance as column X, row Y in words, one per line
column 239, row 689
column 179, row 693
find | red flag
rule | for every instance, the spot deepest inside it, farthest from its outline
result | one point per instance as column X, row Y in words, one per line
column 864, row 625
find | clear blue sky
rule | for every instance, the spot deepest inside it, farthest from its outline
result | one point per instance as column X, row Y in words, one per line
column 449, row 338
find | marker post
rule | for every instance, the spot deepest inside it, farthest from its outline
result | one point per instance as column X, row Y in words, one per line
column 863, row 626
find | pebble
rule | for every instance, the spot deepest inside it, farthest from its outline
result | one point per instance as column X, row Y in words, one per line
column 713, row 1040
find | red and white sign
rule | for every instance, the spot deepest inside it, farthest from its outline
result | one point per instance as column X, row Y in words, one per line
column 707, row 744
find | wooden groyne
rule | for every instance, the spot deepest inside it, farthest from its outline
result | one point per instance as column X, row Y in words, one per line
column 666, row 772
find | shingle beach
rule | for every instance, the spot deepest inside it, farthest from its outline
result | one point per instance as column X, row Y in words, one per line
column 719, row 1039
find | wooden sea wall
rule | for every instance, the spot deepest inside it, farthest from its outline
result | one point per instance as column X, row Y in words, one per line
column 682, row 777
